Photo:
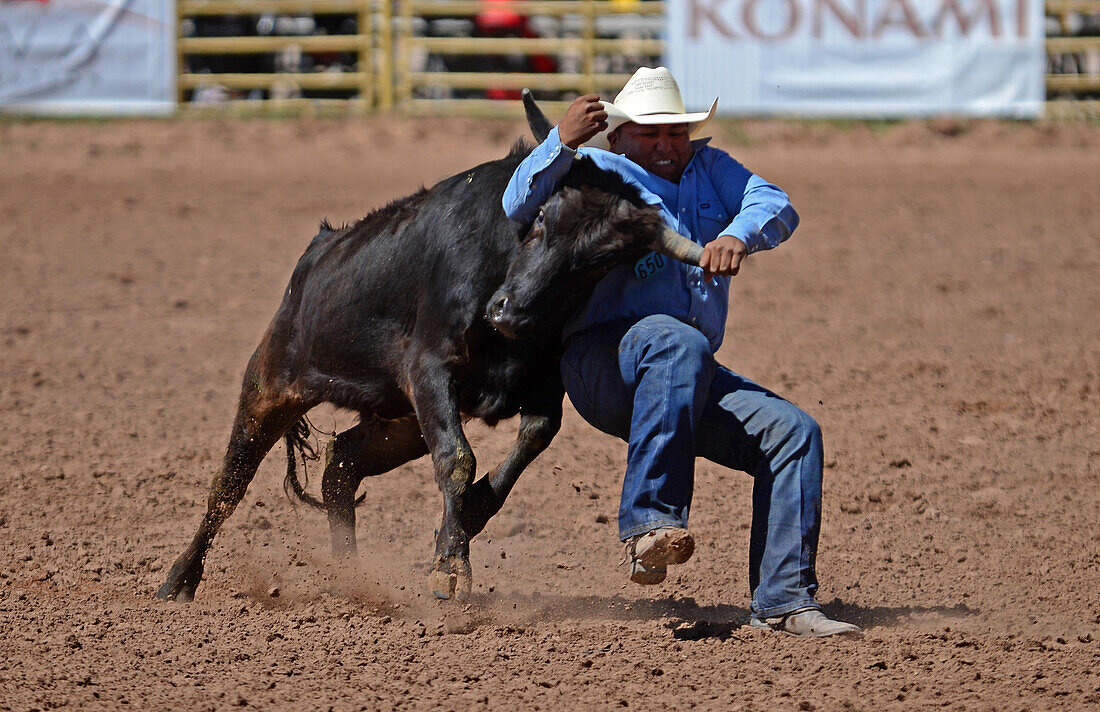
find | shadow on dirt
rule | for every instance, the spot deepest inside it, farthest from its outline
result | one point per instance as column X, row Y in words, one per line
column 689, row 620
column 886, row 616
column 684, row 614
column 686, row 618
column 692, row 622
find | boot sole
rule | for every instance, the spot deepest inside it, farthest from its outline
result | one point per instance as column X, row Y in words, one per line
column 673, row 548
column 651, row 577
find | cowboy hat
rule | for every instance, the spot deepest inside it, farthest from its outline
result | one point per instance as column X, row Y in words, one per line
column 651, row 96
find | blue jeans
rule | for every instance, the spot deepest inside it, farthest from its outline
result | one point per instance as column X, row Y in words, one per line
column 656, row 385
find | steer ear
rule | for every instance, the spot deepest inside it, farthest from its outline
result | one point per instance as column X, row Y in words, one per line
column 540, row 125
column 678, row 247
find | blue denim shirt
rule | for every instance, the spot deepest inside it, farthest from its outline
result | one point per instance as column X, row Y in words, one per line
column 716, row 196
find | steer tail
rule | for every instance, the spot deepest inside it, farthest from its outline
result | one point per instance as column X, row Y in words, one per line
column 297, row 439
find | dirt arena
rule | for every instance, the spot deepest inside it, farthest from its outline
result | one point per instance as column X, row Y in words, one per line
column 937, row 311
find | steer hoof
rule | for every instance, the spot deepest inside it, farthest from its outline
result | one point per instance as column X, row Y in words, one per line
column 175, row 592
column 451, row 580
column 178, row 588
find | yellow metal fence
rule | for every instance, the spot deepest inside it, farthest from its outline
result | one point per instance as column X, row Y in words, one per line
column 364, row 86
column 393, row 57
column 1073, row 61
column 583, row 54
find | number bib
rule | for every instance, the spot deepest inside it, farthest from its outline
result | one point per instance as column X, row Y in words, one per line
column 649, row 265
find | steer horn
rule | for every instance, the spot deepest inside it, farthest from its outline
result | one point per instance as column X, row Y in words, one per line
column 678, row 247
column 540, row 125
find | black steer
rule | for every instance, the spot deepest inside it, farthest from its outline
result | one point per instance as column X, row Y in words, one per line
column 393, row 317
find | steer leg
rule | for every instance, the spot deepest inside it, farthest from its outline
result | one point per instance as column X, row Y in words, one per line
column 372, row 447
column 261, row 420
column 484, row 498
column 453, row 459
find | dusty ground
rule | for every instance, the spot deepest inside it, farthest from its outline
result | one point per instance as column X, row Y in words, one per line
column 937, row 312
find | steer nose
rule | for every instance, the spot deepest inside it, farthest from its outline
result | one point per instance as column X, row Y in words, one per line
column 496, row 308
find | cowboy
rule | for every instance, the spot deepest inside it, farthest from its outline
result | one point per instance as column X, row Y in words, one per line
column 639, row 354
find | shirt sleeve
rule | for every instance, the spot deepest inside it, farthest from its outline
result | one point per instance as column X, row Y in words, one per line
column 764, row 215
column 536, row 178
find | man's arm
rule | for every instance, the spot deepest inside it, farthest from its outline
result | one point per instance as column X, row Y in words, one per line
column 764, row 217
column 538, row 176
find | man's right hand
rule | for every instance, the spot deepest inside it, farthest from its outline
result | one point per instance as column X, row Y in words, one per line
column 584, row 119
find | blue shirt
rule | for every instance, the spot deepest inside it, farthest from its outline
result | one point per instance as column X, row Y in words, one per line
column 716, row 196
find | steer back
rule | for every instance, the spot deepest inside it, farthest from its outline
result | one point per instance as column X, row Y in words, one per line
column 368, row 301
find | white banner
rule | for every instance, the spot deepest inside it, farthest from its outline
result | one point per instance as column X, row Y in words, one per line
column 861, row 58
column 87, row 56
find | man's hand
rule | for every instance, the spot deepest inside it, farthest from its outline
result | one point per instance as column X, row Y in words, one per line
column 584, row 119
column 723, row 256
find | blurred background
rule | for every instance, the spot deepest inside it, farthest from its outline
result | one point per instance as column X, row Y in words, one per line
column 845, row 58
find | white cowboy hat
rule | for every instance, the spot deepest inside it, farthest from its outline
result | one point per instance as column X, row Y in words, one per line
column 651, row 96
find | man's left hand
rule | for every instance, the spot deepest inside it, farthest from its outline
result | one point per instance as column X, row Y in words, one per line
column 723, row 256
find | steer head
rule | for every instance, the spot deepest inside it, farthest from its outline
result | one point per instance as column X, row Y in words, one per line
column 591, row 224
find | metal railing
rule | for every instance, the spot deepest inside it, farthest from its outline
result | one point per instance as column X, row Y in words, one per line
column 1073, row 61
column 365, row 87
column 577, row 49
column 401, row 62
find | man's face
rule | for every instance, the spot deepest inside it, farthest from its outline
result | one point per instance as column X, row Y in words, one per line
column 661, row 149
